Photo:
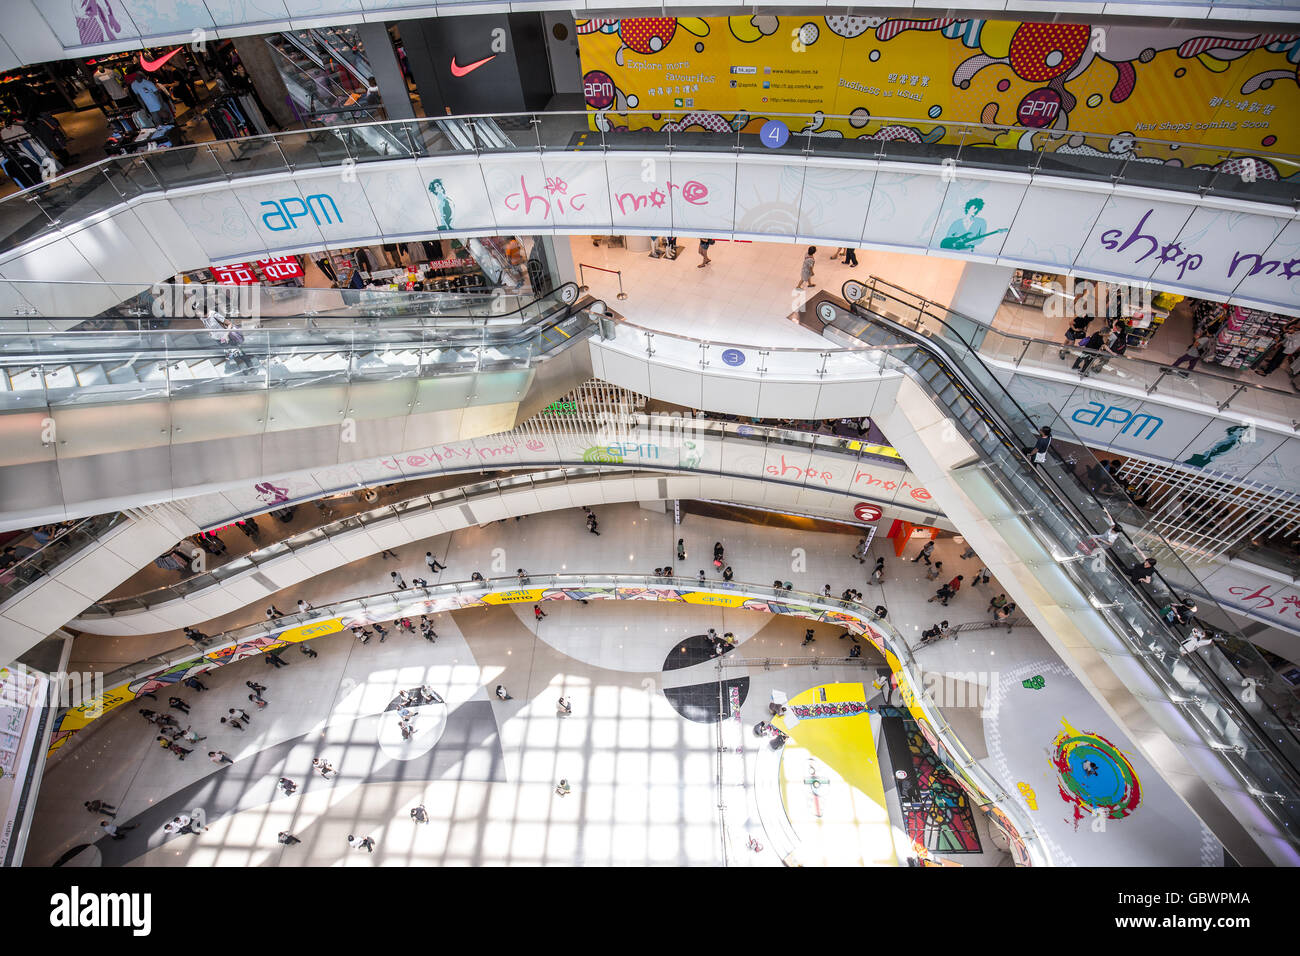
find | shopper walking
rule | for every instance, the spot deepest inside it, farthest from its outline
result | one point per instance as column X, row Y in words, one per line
column 273, row 613
column 934, row 570
column 287, row 838
column 397, row 580
column 851, row 258
column 806, row 270
column 177, row 703
column 538, row 613
column 286, row 785
column 860, row 552
column 115, row 831
column 232, row 723
column 419, row 814
column 307, row 651
column 193, row 683
column 925, row 553
column 502, row 693
column 275, row 660
column 1093, row 344
column 99, row 806
column 878, row 572
column 361, row 843
column 434, row 565
column 1201, row 347
column 704, row 253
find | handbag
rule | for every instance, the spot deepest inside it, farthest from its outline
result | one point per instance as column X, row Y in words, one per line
column 1040, row 457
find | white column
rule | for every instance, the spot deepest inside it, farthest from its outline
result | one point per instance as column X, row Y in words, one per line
column 980, row 290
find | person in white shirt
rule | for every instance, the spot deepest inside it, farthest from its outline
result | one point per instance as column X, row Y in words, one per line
column 108, row 80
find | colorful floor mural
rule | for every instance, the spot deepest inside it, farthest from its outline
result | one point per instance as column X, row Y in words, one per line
column 937, row 810
column 830, row 780
column 1095, row 777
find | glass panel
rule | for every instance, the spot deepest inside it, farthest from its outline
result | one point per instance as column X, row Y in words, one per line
column 187, row 165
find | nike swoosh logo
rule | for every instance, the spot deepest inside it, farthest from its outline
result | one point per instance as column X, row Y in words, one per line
column 152, row 65
column 469, row 68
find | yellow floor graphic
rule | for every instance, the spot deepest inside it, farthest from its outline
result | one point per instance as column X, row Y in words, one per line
column 830, row 780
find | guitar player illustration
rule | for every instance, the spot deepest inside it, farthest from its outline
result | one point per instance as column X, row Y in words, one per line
column 970, row 230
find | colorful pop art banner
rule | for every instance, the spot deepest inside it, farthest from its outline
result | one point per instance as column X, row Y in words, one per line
column 732, row 73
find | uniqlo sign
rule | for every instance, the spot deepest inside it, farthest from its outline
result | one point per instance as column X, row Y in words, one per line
column 240, row 273
column 280, row 267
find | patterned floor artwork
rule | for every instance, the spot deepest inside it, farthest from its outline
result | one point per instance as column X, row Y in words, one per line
column 937, row 810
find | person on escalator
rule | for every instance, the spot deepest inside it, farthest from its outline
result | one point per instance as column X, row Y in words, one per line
column 1042, row 445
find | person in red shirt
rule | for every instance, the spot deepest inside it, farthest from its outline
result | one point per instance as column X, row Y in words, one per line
column 945, row 593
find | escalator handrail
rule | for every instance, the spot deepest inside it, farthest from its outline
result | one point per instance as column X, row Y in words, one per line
column 1200, row 372
column 1064, row 503
column 487, row 336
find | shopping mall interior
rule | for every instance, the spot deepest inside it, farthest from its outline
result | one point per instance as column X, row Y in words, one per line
column 929, row 378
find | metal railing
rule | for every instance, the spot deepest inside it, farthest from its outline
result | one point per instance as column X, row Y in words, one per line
column 763, row 437
column 1160, row 164
column 54, row 552
column 1069, row 502
column 1202, row 386
column 986, row 790
column 93, row 367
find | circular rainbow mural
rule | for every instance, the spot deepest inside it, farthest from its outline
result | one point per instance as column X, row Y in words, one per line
column 1093, row 774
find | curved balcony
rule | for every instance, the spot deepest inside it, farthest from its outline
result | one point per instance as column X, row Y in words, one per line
column 581, row 172
column 987, row 792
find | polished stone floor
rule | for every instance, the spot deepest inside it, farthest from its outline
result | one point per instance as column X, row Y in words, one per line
column 640, row 750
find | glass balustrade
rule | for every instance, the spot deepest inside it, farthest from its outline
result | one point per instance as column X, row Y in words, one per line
column 1069, row 501
column 985, row 790
column 1151, row 163
column 108, row 365
column 30, row 568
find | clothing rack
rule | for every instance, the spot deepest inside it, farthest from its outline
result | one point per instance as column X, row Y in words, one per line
column 233, row 116
column 25, row 157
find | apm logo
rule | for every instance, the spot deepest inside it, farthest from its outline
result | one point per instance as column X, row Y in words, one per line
column 76, row 909
column 284, row 211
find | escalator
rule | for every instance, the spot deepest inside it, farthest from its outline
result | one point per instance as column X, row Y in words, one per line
column 1198, row 676
column 97, row 367
column 327, row 87
column 97, row 420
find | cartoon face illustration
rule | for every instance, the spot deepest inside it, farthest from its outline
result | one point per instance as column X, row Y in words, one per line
column 1123, row 144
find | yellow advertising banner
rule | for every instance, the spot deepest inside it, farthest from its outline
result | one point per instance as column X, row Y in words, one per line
column 514, row 597
column 305, row 632
column 915, row 81
column 78, row 717
column 714, row 600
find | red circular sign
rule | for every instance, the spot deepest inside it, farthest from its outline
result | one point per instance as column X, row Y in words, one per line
column 865, row 512
column 598, row 89
column 1039, row 108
